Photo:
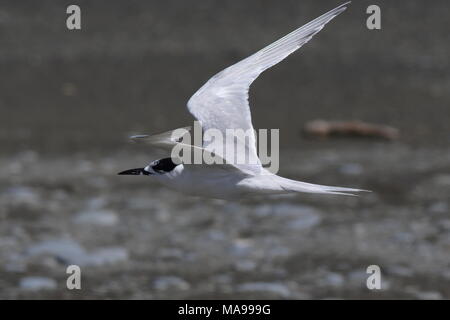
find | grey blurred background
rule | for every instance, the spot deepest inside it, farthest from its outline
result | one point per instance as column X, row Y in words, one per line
column 70, row 99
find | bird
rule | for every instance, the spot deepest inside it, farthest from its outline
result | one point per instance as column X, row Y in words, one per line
column 221, row 104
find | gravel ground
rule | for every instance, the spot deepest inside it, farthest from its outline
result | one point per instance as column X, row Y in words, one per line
column 135, row 239
column 69, row 99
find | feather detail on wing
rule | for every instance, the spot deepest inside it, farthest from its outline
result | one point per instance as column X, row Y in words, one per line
column 222, row 102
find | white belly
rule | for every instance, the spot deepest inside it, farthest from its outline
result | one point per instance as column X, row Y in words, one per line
column 204, row 181
column 211, row 182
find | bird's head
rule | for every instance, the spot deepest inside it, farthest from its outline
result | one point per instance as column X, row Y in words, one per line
column 160, row 166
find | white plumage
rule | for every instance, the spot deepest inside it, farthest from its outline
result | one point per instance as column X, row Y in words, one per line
column 221, row 104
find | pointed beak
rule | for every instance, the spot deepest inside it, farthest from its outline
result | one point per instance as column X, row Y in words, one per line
column 137, row 171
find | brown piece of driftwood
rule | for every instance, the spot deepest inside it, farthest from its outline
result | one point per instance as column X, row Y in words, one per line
column 323, row 129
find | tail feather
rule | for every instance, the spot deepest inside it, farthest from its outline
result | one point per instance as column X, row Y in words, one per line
column 298, row 186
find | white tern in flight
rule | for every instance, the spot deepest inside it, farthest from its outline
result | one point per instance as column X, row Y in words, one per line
column 222, row 104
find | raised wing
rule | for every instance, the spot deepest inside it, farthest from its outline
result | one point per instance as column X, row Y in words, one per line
column 222, row 102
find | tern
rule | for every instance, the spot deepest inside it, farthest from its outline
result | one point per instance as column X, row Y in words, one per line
column 221, row 104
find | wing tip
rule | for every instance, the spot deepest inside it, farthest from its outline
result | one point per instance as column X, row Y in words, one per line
column 339, row 9
column 345, row 4
column 137, row 137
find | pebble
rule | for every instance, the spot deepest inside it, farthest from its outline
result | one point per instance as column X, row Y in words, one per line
column 442, row 180
column 358, row 278
column 429, row 295
column 171, row 253
column 170, row 283
column 440, row 207
column 263, row 210
column 105, row 218
column 107, row 256
column 302, row 217
column 245, row 265
column 15, row 263
column 65, row 250
column 401, row 271
column 305, row 220
column 96, row 203
column 141, row 203
column 22, row 196
column 241, row 247
column 216, row 235
column 334, row 279
column 70, row 252
column 278, row 289
column 37, row 283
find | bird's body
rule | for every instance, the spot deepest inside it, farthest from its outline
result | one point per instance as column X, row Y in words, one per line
column 202, row 180
column 215, row 182
column 223, row 181
column 222, row 104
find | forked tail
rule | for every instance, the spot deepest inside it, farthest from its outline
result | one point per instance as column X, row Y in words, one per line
column 298, row 186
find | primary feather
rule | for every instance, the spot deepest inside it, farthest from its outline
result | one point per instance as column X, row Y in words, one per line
column 222, row 102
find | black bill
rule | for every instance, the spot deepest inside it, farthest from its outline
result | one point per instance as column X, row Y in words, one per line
column 137, row 171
